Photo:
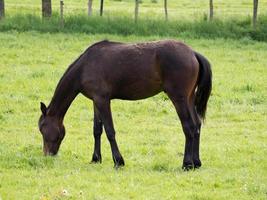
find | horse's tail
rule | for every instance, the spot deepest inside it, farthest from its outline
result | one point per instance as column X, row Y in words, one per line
column 204, row 85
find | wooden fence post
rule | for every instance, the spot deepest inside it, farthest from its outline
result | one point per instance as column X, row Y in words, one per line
column 2, row 9
column 101, row 7
column 90, row 2
column 61, row 13
column 211, row 10
column 255, row 13
column 166, row 9
column 46, row 8
column 136, row 10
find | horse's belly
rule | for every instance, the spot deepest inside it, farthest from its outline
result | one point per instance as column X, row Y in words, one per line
column 138, row 90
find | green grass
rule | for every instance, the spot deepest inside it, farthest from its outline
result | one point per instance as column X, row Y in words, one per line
column 233, row 143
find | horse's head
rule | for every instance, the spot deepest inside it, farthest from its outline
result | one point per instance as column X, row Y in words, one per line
column 52, row 130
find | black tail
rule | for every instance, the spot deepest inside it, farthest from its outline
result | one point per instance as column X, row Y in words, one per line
column 204, row 85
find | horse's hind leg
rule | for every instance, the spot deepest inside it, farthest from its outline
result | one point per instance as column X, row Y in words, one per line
column 196, row 159
column 98, row 129
column 197, row 122
column 182, row 106
column 103, row 106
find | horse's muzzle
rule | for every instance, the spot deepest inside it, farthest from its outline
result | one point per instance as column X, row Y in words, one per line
column 48, row 152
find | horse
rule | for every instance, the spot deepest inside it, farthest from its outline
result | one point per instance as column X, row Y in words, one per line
column 113, row 70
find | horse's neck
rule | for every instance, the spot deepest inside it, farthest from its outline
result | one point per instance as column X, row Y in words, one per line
column 66, row 91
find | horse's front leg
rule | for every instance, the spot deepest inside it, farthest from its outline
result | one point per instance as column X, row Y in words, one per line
column 98, row 129
column 103, row 106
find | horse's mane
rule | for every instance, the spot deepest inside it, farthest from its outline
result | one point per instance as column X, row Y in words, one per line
column 66, row 72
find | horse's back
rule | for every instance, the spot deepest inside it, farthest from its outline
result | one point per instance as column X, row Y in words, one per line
column 135, row 71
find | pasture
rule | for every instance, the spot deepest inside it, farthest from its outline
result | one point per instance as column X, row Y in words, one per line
column 233, row 141
column 233, row 144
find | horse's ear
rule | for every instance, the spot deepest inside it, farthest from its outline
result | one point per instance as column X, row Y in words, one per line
column 43, row 108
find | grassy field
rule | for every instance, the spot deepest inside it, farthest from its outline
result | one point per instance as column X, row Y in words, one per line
column 33, row 56
column 150, row 137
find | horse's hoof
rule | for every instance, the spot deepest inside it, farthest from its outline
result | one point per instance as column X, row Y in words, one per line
column 118, row 162
column 118, row 166
column 96, row 159
column 95, row 162
column 197, row 164
column 188, row 166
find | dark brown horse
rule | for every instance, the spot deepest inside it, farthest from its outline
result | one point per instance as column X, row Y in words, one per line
column 112, row 70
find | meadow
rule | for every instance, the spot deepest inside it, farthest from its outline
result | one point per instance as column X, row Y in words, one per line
column 149, row 134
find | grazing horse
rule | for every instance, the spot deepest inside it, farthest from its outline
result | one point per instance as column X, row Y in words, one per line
column 112, row 70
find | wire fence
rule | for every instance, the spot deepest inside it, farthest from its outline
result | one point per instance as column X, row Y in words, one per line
column 168, row 9
column 164, row 9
